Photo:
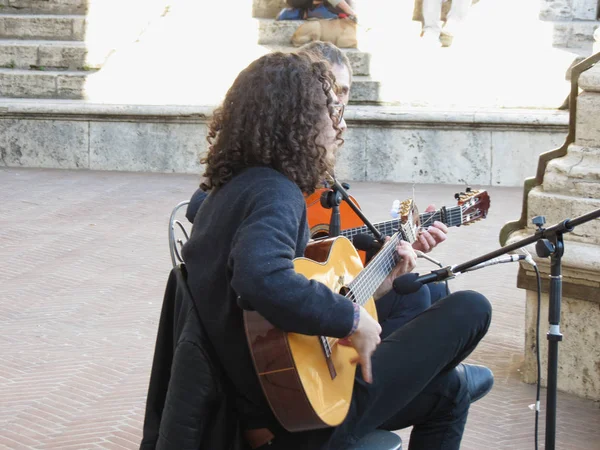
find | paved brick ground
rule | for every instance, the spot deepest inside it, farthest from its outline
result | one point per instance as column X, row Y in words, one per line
column 83, row 263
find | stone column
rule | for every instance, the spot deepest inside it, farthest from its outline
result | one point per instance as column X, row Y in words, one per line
column 570, row 187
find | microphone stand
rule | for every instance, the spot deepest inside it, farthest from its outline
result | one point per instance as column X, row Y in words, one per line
column 549, row 243
column 332, row 199
column 338, row 189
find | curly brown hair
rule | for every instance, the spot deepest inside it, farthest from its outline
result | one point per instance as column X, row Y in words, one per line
column 270, row 117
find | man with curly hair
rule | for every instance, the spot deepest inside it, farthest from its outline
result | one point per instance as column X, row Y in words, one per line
column 272, row 141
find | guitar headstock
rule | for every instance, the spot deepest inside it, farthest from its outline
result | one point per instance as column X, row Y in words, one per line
column 408, row 213
column 474, row 204
column 410, row 221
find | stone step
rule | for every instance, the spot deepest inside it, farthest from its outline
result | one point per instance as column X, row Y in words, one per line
column 267, row 9
column 44, row 6
column 575, row 174
column 47, row 26
column 276, row 32
column 26, row 54
column 575, row 34
column 57, row 84
column 588, row 130
column 551, row 10
column 359, row 61
column 365, row 90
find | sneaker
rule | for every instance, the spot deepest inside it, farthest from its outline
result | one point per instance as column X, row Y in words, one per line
column 446, row 38
column 430, row 39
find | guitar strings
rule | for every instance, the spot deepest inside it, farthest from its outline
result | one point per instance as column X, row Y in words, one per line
column 382, row 264
column 364, row 283
column 453, row 214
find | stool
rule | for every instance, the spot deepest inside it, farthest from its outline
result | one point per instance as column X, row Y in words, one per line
column 379, row 440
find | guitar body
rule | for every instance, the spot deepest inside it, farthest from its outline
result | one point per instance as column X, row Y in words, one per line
column 319, row 217
column 305, row 389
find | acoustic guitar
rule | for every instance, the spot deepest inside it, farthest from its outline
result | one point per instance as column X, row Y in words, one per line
column 308, row 380
column 471, row 206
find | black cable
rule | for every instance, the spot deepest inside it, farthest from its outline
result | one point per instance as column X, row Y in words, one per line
column 537, row 353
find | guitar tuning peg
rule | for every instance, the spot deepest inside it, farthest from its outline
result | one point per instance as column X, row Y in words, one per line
column 457, row 196
column 468, row 189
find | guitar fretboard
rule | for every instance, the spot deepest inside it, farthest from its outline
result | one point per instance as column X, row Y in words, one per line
column 369, row 279
column 450, row 216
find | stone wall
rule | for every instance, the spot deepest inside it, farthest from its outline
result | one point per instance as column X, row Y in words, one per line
column 570, row 187
column 382, row 143
column 574, row 22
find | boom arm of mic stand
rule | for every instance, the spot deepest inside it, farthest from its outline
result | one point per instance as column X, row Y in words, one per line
column 547, row 233
column 336, row 186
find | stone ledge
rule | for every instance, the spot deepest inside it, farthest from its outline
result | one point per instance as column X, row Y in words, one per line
column 495, row 118
column 521, row 119
column 42, row 26
column 82, row 110
column 45, row 7
column 420, row 146
column 556, row 205
column 581, row 268
column 526, row 279
column 580, row 261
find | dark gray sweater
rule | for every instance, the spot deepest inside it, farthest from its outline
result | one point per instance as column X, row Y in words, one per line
column 244, row 239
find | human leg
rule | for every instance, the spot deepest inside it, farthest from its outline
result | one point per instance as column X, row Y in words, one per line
column 456, row 16
column 394, row 310
column 438, row 291
column 438, row 414
column 411, row 358
column 432, row 10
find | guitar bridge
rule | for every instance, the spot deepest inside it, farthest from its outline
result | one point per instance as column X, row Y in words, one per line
column 327, row 351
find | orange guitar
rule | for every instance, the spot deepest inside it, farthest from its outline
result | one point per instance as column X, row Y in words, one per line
column 471, row 206
column 308, row 380
column 319, row 217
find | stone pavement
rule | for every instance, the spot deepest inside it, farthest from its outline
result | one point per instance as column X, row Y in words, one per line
column 83, row 264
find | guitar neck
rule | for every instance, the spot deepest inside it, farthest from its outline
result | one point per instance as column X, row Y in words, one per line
column 368, row 280
column 450, row 216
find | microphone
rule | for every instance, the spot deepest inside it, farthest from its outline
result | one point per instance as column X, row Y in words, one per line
column 365, row 242
column 499, row 260
column 412, row 282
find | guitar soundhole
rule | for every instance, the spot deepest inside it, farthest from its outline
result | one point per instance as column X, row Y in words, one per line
column 347, row 292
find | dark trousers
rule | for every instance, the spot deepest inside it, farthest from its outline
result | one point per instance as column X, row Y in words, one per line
column 414, row 381
column 394, row 311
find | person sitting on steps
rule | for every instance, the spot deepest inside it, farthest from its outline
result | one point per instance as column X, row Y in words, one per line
column 316, row 9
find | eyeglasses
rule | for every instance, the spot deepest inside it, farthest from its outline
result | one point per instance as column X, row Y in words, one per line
column 338, row 111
